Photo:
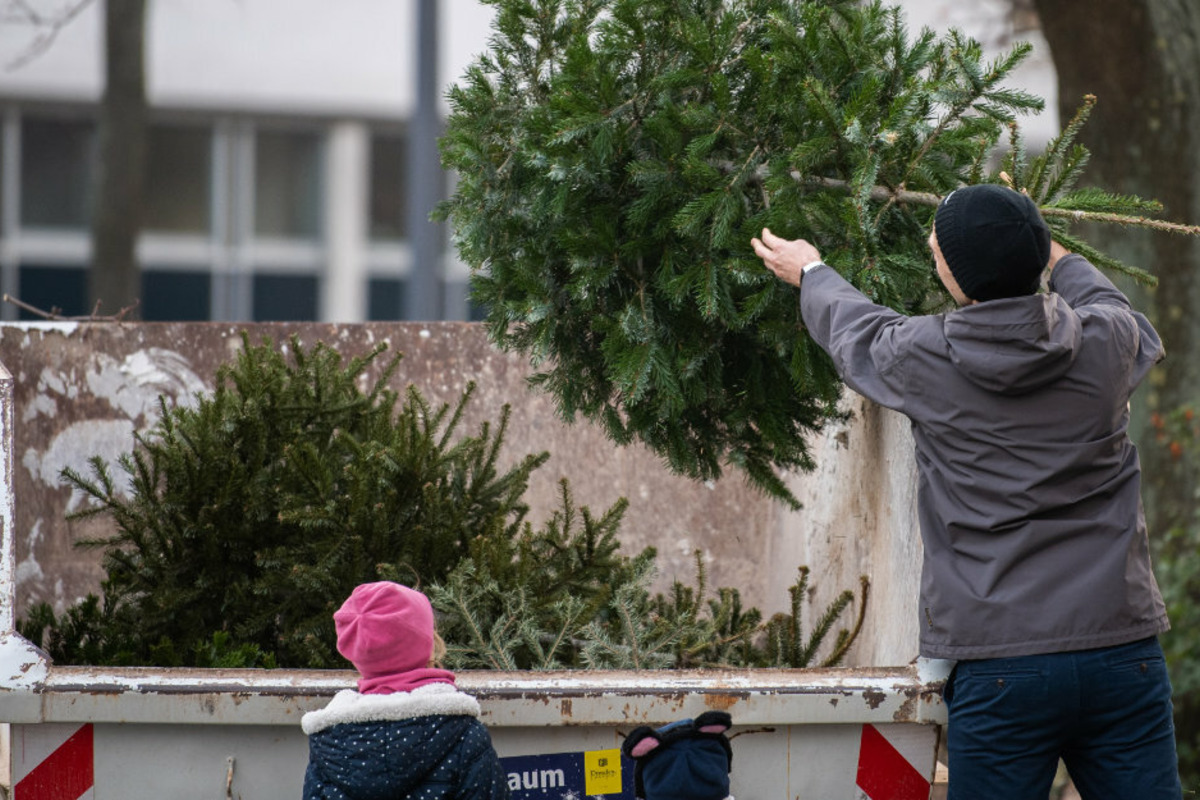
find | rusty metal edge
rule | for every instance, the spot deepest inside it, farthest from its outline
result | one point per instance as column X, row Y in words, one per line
column 520, row 699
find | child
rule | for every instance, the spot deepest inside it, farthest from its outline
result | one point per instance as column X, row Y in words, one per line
column 408, row 731
column 685, row 760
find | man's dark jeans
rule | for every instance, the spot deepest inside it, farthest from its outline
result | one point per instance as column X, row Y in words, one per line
column 1105, row 712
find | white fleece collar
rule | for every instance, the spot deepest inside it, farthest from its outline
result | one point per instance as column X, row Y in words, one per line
column 424, row 701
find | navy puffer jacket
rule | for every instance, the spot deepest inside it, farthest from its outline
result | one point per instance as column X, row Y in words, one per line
column 427, row 744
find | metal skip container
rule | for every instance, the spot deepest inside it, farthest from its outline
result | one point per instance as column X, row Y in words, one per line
column 105, row 733
column 100, row 733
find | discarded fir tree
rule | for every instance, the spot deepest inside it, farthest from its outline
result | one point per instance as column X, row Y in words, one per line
column 249, row 517
column 616, row 156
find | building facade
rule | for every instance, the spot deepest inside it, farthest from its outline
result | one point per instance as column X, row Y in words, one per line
column 278, row 151
column 277, row 158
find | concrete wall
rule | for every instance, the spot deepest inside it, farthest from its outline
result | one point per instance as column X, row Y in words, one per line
column 83, row 389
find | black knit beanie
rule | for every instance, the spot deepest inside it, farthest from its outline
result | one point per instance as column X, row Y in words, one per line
column 994, row 241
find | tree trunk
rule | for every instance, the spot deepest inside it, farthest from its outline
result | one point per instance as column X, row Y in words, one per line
column 1141, row 58
column 115, row 279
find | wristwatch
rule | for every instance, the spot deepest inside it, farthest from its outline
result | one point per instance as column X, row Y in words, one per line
column 809, row 267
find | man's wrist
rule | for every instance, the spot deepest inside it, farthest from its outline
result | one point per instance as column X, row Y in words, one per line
column 809, row 267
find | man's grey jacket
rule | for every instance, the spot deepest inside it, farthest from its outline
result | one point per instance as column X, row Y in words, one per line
column 1030, row 489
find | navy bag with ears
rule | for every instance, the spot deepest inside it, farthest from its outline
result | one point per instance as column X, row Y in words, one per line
column 684, row 760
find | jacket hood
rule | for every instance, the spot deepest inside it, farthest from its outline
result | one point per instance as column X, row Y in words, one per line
column 391, row 745
column 1014, row 345
column 349, row 706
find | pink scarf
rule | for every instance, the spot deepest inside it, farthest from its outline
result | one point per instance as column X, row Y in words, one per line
column 404, row 681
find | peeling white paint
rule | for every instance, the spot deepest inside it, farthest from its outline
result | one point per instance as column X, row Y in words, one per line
column 8, row 541
column 74, row 445
column 933, row 670
column 35, row 533
column 51, row 381
column 64, row 328
column 42, row 405
column 133, row 386
column 22, row 666
column 30, row 569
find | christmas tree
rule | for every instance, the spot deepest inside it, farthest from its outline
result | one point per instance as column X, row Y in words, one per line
column 251, row 516
column 616, row 156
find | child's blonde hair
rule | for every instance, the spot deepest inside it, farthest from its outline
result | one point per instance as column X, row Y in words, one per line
column 439, row 650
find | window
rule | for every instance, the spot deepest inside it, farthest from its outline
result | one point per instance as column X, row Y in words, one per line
column 53, row 288
column 176, row 295
column 389, row 178
column 178, row 179
column 385, row 299
column 287, row 185
column 56, row 173
column 279, row 298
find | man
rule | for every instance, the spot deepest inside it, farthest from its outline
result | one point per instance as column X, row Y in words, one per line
column 1036, row 575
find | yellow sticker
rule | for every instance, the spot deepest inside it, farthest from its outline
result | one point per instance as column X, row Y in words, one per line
column 602, row 772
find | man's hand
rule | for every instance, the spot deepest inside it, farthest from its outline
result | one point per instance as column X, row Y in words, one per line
column 784, row 257
column 1057, row 251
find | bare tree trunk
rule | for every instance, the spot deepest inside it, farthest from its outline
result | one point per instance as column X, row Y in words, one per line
column 115, row 278
column 1141, row 58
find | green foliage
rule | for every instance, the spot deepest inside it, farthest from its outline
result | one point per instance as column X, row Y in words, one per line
column 516, row 602
column 256, row 512
column 250, row 517
column 1177, row 568
column 615, row 157
column 76, row 637
column 786, row 645
column 727, row 634
column 563, row 598
column 89, row 633
column 1050, row 179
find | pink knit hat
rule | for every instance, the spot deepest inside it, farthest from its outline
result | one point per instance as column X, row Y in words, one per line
column 384, row 628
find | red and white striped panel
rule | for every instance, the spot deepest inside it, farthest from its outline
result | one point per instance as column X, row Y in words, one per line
column 886, row 768
column 53, row 762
